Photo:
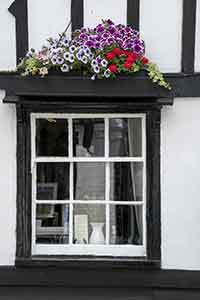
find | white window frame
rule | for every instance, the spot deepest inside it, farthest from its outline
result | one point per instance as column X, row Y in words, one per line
column 81, row 249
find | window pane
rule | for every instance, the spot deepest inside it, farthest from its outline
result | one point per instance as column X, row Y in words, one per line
column 51, row 137
column 52, row 224
column 126, row 181
column 125, row 137
column 52, row 181
column 89, row 181
column 89, row 224
column 126, row 224
column 88, row 137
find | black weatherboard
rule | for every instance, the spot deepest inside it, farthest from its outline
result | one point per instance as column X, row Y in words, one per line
column 188, row 35
column 133, row 13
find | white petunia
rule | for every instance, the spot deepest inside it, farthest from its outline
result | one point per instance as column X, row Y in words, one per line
column 66, row 55
column 71, row 58
column 96, row 69
column 84, row 59
column 72, row 49
column 65, row 68
column 60, row 60
column 104, row 63
column 106, row 73
column 94, row 63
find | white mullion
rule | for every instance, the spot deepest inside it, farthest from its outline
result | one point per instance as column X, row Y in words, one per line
column 71, row 180
column 89, row 159
column 52, row 202
column 86, row 116
column 107, row 181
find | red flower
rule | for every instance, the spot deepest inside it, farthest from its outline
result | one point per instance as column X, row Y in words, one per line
column 132, row 57
column 128, row 65
column 144, row 60
column 110, row 55
column 118, row 51
column 113, row 68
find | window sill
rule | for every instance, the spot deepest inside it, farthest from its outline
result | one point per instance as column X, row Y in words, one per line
column 87, row 263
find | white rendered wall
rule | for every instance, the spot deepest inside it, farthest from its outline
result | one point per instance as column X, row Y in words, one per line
column 161, row 28
column 7, row 44
column 7, row 183
column 96, row 10
column 47, row 18
column 180, row 185
column 197, row 52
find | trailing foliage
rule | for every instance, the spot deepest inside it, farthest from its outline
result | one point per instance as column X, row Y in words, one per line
column 105, row 51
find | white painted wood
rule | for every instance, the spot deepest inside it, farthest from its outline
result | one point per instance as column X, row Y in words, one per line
column 96, row 250
column 47, row 18
column 161, row 28
column 89, row 249
column 8, row 40
column 197, row 48
column 95, row 11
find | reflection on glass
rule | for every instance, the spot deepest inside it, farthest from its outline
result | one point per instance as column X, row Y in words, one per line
column 51, row 137
column 89, row 224
column 52, row 181
column 126, row 181
column 52, row 224
column 89, row 181
column 126, row 224
column 125, row 137
column 88, row 137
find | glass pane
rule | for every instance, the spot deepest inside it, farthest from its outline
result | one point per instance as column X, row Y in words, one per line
column 51, row 137
column 52, row 181
column 126, row 181
column 126, row 224
column 125, row 137
column 89, row 181
column 52, row 224
column 89, row 224
column 88, row 137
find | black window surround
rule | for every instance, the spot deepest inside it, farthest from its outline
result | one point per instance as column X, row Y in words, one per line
column 27, row 105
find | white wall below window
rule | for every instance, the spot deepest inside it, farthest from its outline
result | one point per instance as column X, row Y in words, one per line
column 180, row 185
column 197, row 48
column 7, row 183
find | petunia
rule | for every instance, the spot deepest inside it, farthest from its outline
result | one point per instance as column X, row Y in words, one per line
column 96, row 69
column 94, row 63
column 66, row 55
column 113, row 68
column 84, row 59
column 104, row 63
column 71, row 58
column 60, row 60
column 72, row 49
column 65, row 68
column 107, row 73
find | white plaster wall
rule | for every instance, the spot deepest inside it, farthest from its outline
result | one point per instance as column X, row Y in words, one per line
column 7, row 183
column 180, row 185
column 47, row 18
column 96, row 10
column 161, row 28
column 7, row 44
column 197, row 48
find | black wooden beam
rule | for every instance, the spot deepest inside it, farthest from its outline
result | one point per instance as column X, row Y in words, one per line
column 19, row 10
column 133, row 13
column 188, row 35
column 77, row 8
column 106, row 278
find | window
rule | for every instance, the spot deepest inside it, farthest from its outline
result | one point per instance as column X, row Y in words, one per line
column 89, row 184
